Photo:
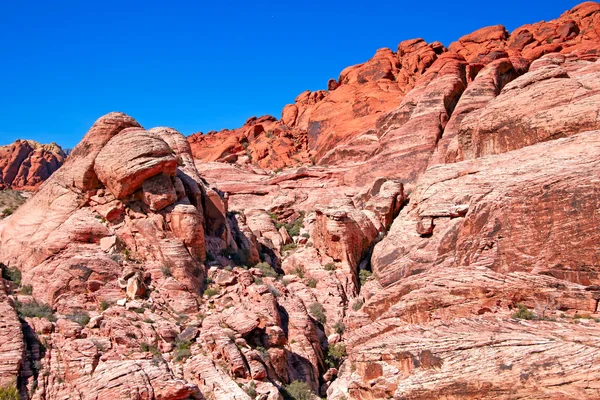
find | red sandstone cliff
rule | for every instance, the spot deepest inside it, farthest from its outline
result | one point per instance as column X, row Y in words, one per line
column 445, row 244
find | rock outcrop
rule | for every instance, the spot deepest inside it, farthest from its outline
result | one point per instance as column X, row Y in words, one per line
column 425, row 228
column 25, row 164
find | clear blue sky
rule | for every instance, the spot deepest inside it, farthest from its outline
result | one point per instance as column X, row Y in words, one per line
column 198, row 65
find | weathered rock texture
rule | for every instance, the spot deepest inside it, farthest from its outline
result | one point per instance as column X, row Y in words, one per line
column 25, row 164
column 434, row 234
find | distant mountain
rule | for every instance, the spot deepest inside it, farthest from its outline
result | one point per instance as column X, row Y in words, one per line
column 25, row 164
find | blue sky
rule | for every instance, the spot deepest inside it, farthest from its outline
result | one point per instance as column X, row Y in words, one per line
column 200, row 66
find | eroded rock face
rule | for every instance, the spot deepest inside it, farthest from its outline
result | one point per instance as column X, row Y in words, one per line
column 504, row 229
column 25, row 164
column 111, row 252
column 463, row 179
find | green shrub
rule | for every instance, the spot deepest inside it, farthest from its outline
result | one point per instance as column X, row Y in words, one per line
column 363, row 276
column 150, row 348
column 258, row 280
column 305, row 235
column 266, row 269
column 339, row 328
column 27, row 289
column 182, row 351
column 329, row 267
column 11, row 274
column 335, row 355
column 81, row 317
column 250, row 390
column 211, row 291
column 311, row 283
column 317, row 311
column 34, row 309
column 166, row 271
column 264, row 354
column 294, row 227
column 357, row 305
column 289, row 246
column 7, row 212
column 300, row 272
column 9, row 392
column 105, row 305
column 523, row 312
column 126, row 254
column 275, row 219
column 298, row 390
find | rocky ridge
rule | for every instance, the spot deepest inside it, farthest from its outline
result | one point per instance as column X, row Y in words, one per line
column 444, row 244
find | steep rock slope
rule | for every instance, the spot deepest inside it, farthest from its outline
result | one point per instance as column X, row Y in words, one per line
column 25, row 164
column 443, row 246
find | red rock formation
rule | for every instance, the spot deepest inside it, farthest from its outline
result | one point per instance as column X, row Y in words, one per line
column 350, row 122
column 506, row 229
column 25, row 164
column 464, row 179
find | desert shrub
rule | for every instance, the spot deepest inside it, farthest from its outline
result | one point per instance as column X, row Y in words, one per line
column 339, row 328
column 126, row 254
column 317, row 311
column 311, row 283
column 35, row 309
column 105, row 305
column 182, row 350
column 289, row 246
column 364, row 275
column 81, row 317
column 9, row 392
column 264, row 354
column 300, row 272
column 150, row 348
column 26, row 289
column 297, row 390
column 7, row 212
column 250, row 390
column 357, row 305
column 166, row 271
column 211, row 291
column 266, row 269
column 294, row 227
column 258, row 280
column 305, row 235
column 11, row 274
column 335, row 355
column 329, row 266
column 523, row 312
